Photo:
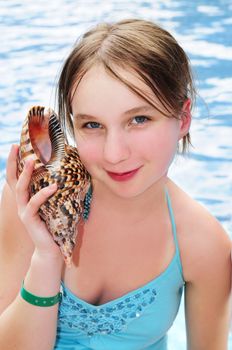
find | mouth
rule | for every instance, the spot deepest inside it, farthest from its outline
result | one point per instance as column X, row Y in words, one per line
column 123, row 176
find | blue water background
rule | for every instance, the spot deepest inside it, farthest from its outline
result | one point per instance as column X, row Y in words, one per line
column 37, row 36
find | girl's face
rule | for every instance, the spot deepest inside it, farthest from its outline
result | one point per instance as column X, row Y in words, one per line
column 125, row 143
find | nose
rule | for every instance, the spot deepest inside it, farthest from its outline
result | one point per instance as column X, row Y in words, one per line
column 116, row 148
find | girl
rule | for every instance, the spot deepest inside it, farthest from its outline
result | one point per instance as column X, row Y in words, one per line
column 125, row 94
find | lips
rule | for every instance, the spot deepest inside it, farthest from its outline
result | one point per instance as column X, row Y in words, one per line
column 123, row 176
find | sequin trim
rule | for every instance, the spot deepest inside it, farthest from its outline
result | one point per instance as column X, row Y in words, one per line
column 87, row 204
column 112, row 317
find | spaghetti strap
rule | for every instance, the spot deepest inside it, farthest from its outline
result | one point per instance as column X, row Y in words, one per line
column 174, row 230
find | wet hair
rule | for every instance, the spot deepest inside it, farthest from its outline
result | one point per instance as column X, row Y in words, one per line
column 143, row 48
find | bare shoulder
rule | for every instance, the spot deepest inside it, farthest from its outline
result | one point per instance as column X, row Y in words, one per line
column 16, row 249
column 205, row 246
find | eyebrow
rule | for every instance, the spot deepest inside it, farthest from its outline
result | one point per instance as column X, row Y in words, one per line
column 135, row 110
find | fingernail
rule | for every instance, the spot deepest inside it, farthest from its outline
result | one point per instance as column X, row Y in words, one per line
column 52, row 187
column 12, row 149
column 28, row 162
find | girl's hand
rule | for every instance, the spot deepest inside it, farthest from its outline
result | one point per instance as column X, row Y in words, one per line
column 28, row 207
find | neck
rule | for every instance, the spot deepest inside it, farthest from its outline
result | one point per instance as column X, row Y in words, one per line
column 152, row 201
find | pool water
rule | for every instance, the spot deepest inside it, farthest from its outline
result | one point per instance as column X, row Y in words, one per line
column 37, row 36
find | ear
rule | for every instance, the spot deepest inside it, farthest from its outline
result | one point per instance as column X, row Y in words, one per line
column 186, row 119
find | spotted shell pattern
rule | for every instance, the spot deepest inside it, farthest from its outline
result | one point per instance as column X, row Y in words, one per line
column 55, row 162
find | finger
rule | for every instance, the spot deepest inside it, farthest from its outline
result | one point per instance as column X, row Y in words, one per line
column 11, row 166
column 40, row 198
column 22, row 193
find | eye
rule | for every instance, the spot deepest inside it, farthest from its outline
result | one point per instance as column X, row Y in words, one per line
column 91, row 125
column 140, row 119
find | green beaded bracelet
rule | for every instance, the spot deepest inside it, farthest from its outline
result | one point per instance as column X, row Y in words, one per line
column 39, row 301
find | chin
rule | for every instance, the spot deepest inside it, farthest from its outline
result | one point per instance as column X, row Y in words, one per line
column 128, row 191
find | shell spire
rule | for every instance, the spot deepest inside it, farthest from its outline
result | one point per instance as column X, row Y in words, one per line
column 55, row 161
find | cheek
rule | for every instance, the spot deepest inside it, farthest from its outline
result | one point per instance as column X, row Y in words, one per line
column 160, row 145
column 88, row 151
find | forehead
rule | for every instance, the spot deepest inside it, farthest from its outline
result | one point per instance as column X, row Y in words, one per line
column 99, row 89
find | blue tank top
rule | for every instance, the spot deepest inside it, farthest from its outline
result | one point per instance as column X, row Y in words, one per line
column 139, row 320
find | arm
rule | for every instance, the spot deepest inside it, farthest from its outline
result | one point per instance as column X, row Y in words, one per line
column 32, row 256
column 208, row 290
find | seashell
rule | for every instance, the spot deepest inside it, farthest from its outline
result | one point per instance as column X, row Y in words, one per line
column 55, row 162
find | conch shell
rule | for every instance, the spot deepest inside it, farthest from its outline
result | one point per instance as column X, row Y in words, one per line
column 55, row 162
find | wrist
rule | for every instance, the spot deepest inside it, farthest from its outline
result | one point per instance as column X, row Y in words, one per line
column 39, row 300
column 44, row 275
column 45, row 257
